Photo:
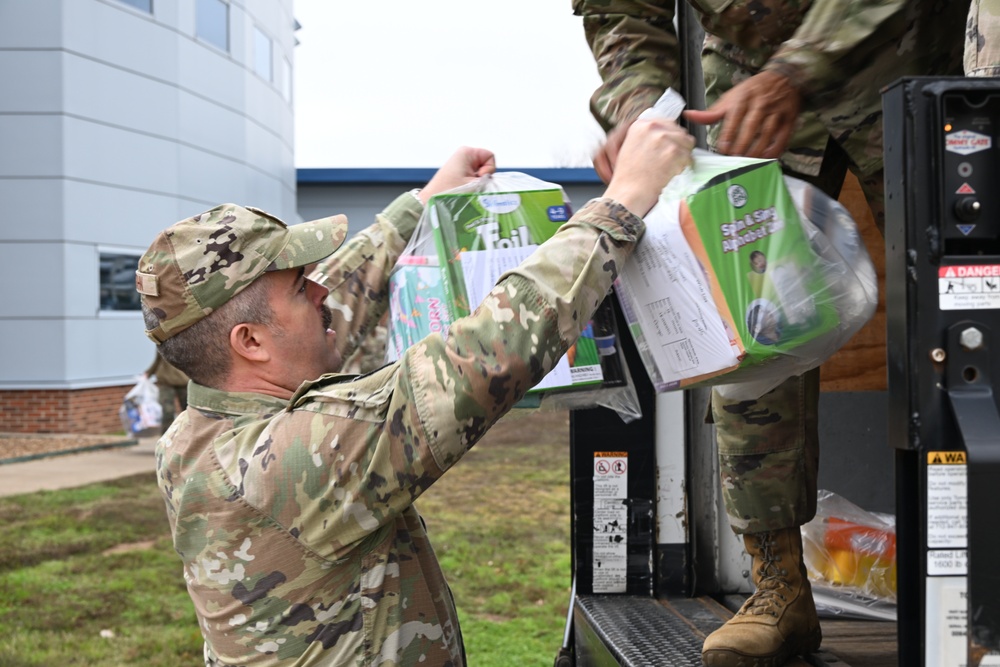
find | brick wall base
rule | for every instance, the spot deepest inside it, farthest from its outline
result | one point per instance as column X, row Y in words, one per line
column 85, row 411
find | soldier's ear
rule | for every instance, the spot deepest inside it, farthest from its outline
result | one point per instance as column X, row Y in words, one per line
column 249, row 341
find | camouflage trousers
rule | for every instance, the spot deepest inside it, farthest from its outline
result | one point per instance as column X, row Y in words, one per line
column 769, row 448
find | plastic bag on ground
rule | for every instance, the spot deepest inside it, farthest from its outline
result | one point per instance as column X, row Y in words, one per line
column 850, row 555
column 465, row 240
column 140, row 409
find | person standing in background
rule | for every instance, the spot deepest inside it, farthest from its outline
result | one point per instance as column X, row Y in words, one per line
column 171, row 382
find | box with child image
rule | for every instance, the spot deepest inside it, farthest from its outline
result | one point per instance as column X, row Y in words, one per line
column 744, row 278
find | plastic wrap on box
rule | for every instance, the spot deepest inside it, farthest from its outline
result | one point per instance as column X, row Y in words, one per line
column 744, row 278
column 465, row 240
column 850, row 554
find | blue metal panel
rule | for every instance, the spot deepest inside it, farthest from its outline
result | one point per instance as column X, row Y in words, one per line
column 330, row 176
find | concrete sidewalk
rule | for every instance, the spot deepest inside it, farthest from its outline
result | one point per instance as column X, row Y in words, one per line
column 70, row 470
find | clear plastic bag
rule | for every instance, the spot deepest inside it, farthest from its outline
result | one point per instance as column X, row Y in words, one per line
column 745, row 277
column 850, row 554
column 140, row 409
column 465, row 240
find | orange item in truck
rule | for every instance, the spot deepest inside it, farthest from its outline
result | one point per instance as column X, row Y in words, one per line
column 862, row 557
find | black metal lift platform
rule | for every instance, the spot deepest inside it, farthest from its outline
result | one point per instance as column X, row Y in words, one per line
column 636, row 631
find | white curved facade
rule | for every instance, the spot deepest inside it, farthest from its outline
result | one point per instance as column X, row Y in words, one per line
column 116, row 121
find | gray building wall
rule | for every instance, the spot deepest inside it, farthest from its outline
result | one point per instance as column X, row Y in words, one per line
column 114, row 123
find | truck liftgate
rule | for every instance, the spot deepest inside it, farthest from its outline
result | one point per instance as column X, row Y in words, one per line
column 668, row 572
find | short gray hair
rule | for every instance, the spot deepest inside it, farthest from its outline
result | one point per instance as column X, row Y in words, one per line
column 202, row 350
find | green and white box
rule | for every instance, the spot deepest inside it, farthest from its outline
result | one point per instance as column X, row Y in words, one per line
column 726, row 283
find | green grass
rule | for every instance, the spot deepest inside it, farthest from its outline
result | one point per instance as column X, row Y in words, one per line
column 88, row 576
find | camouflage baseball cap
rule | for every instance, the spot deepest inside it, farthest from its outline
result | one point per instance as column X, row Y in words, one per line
column 198, row 264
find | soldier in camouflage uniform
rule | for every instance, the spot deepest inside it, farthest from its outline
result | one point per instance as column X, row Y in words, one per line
column 172, row 386
column 289, row 487
column 799, row 81
column 982, row 39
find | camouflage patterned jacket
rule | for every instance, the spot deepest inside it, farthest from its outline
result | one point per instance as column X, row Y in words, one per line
column 817, row 43
column 295, row 519
column 982, row 39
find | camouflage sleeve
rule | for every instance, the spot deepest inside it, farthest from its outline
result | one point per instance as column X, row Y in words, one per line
column 834, row 40
column 363, row 449
column 463, row 384
column 635, row 46
column 982, row 39
column 357, row 275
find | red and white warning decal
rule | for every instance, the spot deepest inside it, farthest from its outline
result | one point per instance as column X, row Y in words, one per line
column 965, row 142
column 975, row 287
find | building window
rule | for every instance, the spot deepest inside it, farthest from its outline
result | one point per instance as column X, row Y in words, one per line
column 262, row 55
column 286, row 79
column 117, row 282
column 144, row 5
column 212, row 23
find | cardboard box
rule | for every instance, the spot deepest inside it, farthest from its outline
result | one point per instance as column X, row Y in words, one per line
column 463, row 244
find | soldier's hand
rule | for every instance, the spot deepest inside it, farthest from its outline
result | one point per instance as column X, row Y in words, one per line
column 607, row 154
column 464, row 166
column 653, row 151
column 758, row 116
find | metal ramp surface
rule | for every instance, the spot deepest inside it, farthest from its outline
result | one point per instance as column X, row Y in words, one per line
column 635, row 631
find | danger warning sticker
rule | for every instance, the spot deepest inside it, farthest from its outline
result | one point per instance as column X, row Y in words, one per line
column 975, row 287
column 965, row 142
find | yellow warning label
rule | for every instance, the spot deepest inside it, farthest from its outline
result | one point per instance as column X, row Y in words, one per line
column 945, row 458
column 610, row 454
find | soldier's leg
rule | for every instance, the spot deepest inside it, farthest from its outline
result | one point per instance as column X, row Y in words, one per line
column 769, row 448
column 769, row 462
column 768, row 455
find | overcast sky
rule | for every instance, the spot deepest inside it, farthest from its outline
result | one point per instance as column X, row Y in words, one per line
column 396, row 83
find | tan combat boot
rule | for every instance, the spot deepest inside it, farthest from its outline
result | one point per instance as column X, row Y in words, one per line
column 779, row 620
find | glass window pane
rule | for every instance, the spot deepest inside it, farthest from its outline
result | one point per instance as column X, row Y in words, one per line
column 262, row 54
column 117, row 282
column 212, row 23
column 144, row 5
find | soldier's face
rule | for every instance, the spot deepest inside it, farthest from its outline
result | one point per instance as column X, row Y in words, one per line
column 303, row 344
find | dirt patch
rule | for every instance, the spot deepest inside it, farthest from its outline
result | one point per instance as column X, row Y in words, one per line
column 24, row 445
column 131, row 546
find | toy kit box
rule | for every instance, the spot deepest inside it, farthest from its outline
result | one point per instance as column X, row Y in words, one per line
column 725, row 277
column 463, row 244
